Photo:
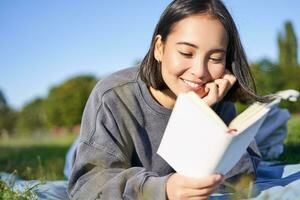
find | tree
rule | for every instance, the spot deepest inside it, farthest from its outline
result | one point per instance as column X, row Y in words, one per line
column 267, row 76
column 7, row 116
column 65, row 103
column 288, row 48
column 289, row 70
column 32, row 117
column 3, row 102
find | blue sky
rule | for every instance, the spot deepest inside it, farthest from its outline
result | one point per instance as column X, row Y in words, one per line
column 44, row 42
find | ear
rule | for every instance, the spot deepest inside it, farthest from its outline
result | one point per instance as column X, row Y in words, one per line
column 158, row 48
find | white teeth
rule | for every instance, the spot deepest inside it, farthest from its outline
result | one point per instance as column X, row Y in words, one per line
column 191, row 84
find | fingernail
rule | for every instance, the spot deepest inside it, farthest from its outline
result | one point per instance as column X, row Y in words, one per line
column 232, row 131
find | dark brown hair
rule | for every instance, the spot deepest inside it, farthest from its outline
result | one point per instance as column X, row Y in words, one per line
column 244, row 89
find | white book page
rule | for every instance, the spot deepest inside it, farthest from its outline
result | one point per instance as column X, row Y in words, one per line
column 193, row 143
column 239, row 146
column 244, row 116
column 205, row 108
column 249, row 118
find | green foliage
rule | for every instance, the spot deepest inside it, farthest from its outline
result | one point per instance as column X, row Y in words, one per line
column 65, row 103
column 289, row 69
column 275, row 78
column 267, row 77
column 31, row 118
column 7, row 193
column 287, row 43
column 7, row 116
column 7, row 120
column 3, row 102
column 62, row 108
column 240, row 107
column 272, row 77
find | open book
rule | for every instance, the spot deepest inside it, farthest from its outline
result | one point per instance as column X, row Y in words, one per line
column 196, row 142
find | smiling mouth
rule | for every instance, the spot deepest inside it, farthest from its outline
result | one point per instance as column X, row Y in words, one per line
column 192, row 84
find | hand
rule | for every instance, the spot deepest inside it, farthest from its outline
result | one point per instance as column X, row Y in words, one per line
column 218, row 88
column 182, row 187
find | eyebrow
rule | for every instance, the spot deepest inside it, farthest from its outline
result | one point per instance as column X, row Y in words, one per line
column 195, row 46
column 188, row 44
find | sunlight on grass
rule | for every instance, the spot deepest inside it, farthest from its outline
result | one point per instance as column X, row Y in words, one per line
column 39, row 140
column 292, row 141
column 293, row 130
column 40, row 158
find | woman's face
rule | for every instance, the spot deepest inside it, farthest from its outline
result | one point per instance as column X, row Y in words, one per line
column 193, row 54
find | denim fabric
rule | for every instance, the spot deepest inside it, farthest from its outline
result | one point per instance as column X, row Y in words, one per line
column 70, row 158
column 272, row 133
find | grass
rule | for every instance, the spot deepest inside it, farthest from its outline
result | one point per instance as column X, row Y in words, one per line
column 292, row 141
column 40, row 157
column 7, row 193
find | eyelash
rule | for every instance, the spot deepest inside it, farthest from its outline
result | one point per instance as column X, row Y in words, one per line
column 188, row 55
column 216, row 59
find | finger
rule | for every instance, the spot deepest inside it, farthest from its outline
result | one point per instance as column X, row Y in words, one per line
column 223, row 86
column 232, row 131
column 200, row 192
column 205, row 182
column 202, row 91
column 213, row 94
column 229, row 76
column 198, row 198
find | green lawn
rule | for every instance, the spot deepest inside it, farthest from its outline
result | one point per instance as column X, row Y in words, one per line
column 35, row 158
column 292, row 141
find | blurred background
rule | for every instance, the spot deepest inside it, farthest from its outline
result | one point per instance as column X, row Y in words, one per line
column 52, row 53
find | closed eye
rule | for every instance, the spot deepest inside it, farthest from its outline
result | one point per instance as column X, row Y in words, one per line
column 188, row 55
column 217, row 59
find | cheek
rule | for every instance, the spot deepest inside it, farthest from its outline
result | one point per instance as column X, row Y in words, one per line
column 217, row 71
column 174, row 64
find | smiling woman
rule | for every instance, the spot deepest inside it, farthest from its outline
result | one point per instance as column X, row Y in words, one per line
column 188, row 61
column 195, row 47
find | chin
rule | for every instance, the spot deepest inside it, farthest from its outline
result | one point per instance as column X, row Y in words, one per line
column 200, row 91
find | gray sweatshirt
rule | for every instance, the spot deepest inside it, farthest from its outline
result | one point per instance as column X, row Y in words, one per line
column 121, row 130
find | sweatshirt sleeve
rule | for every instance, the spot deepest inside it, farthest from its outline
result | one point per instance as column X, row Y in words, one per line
column 98, row 174
column 102, row 168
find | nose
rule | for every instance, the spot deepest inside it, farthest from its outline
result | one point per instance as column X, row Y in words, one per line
column 200, row 70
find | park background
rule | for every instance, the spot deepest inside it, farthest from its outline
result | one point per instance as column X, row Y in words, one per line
column 52, row 53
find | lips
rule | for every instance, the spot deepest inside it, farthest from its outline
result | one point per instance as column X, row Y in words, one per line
column 196, row 87
column 191, row 84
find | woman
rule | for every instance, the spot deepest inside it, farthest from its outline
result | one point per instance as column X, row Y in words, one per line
column 195, row 47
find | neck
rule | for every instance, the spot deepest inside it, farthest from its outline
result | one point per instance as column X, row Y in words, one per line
column 166, row 97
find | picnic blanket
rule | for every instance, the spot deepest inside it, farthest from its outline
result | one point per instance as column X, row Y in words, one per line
column 274, row 181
